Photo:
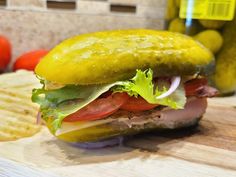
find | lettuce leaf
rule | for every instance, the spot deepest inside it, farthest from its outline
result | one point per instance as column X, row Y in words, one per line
column 53, row 97
column 142, row 84
column 62, row 102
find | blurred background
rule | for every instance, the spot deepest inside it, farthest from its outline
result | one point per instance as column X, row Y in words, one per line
column 41, row 24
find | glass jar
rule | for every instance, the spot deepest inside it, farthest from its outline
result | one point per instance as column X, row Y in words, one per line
column 212, row 23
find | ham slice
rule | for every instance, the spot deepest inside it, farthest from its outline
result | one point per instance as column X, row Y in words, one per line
column 206, row 91
column 199, row 88
column 166, row 118
column 194, row 108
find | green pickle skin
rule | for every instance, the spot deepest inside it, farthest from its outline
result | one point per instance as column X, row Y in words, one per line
column 107, row 131
column 90, row 134
column 105, row 57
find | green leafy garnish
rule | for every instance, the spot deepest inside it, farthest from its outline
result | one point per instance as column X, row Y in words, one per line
column 142, row 84
column 62, row 102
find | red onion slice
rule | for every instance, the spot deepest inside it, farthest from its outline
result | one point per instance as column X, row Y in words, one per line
column 99, row 144
column 39, row 121
column 175, row 81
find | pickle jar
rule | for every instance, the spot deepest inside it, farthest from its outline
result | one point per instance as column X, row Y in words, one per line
column 212, row 23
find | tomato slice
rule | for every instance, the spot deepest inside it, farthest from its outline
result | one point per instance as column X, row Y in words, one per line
column 99, row 108
column 137, row 104
column 191, row 87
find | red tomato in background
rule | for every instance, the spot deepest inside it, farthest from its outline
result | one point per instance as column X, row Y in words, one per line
column 5, row 52
column 29, row 60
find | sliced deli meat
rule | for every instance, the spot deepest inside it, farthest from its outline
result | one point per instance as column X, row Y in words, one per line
column 166, row 118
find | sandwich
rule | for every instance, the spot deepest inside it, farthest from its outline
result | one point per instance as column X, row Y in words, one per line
column 104, row 85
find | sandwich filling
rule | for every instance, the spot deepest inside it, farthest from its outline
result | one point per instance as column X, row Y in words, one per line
column 140, row 95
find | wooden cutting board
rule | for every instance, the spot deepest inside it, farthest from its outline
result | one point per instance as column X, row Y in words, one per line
column 208, row 150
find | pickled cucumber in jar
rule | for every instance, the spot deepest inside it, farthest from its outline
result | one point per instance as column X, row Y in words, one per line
column 225, row 73
column 211, row 39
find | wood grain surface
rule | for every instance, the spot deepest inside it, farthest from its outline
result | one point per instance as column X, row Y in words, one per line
column 207, row 150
